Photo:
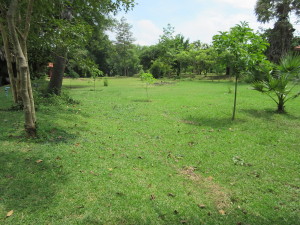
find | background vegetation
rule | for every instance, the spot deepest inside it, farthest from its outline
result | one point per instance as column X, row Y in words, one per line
column 97, row 149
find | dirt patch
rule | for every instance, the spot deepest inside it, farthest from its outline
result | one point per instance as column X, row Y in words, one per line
column 218, row 194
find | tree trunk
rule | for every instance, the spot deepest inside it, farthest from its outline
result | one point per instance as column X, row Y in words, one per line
column 57, row 75
column 227, row 71
column 22, row 65
column 235, row 95
column 280, row 106
column 12, row 77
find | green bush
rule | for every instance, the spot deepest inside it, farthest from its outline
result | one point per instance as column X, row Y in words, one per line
column 42, row 97
column 159, row 69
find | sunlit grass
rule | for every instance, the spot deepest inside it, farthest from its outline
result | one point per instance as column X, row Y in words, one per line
column 117, row 158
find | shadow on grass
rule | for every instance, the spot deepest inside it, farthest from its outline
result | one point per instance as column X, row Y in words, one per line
column 268, row 114
column 76, row 86
column 141, row 100
column 210, row 122
column 28, row 185
column 49, row 130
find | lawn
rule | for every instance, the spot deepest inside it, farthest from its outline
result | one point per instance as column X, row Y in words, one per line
column 118, row 157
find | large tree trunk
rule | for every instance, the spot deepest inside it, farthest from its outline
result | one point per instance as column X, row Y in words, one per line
column 57, row 75
column 22, row 65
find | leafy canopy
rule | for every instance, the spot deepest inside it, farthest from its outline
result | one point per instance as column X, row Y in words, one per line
column 246, row 47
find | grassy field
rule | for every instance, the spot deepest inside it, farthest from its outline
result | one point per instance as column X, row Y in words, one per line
column 175, row 158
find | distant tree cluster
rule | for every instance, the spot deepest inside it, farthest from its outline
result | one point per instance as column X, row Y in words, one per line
column 72, row 35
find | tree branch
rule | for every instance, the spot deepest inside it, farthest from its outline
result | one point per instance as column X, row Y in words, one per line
column 28, row 18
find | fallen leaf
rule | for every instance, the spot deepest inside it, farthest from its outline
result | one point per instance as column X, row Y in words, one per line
column 244, row 211
column 201, row 206
column 183, row 221
column 152, row 197
column 191, row 143
column 39, row 161
column 222, row 212
column 9, row 213
column 171, row 195
column 110, row 169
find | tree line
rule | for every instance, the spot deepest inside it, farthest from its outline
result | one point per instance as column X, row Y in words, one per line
column 72, row 34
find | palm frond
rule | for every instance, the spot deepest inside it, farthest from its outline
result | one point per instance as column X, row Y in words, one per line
column 290, row 63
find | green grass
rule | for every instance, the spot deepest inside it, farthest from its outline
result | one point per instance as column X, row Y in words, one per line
column 119, row 158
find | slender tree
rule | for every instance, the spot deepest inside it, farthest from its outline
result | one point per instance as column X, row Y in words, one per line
column 124, row 42
column 246, row 48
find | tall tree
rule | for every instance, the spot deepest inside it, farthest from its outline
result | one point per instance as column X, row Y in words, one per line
column 18, row 22
column 124, row 43
column 92, row 12
column 16, row 15
column 280, row 37
column 171, row 47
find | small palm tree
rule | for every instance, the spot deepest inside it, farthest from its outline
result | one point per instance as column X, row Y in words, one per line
column 276, row 86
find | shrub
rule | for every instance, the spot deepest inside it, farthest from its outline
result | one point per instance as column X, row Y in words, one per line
column 159, row 69
column 105, row 82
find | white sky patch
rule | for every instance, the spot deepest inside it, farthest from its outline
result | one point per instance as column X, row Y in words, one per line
column 194, row 19
column 245, row 4
column 206, row 25
column 146, row 32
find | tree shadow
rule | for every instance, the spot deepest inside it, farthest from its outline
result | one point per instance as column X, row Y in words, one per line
column 141, row 100
column 76, row 86
column 28, row 184
column 268, row 114
column 48, row 129
column 214, row 123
